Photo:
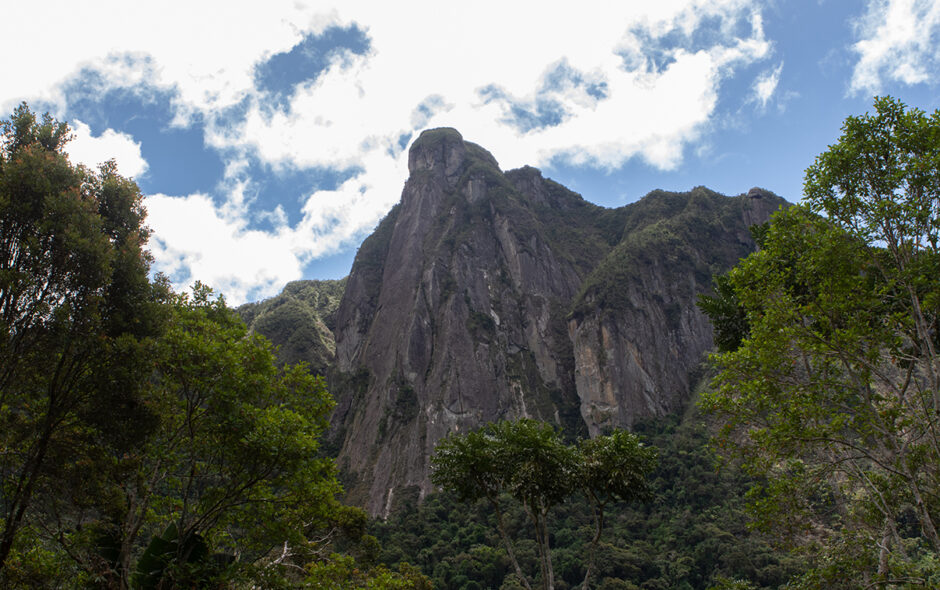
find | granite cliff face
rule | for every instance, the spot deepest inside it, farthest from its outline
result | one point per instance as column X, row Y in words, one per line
column 486, row 295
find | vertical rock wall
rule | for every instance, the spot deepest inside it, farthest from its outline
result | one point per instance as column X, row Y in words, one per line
column 487, row 295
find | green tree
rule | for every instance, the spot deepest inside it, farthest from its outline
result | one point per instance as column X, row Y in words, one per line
column 831, row 395
column 470, row 465
column 75, row 300
column 537, row 470
column 230, row 469
column 527, row 461
column 612, row 468
column 146, row 438
column 726, row 314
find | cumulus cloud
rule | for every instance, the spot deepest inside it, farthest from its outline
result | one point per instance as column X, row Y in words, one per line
column 764, row 87
column 897, row 43
column 84, row 148
column 534, row 85
column 194, row 239
column 525, row 101
column 198, row 238
column 205, row 50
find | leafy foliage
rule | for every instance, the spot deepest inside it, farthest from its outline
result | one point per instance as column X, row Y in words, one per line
column 147, row 439
column 526, row 460
column 237, row 439
column 691, row 535
column 833, row 394
column 75, row 305
column 227, row 470
column 726, row 314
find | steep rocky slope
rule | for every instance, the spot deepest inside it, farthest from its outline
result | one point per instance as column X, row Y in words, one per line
column 637, row 335
column 487, row 295
column 299, row 321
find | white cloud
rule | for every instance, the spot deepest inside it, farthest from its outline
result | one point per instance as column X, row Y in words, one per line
column 641, row 80
column 194, row 239
column 197, row 238
column 372, row 100
column 897, row 43
column 765, row 85
column 204, row 49
column 84, row 148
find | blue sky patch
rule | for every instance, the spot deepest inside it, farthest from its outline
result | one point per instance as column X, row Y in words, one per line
column 548, row 108
column 543, row 113
column 283, row 72
column 289, row 188
column 659, row 50
column 332, row 266
column 426, row 109
column 563, row 76
column 178, row 159
column 403, row 140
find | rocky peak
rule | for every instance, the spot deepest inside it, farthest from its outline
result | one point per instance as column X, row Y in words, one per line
column 445, row 154
column 529, row 182
column 487, row 295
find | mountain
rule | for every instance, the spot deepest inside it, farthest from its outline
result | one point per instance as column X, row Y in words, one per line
column 487, row 294
column 299, row 321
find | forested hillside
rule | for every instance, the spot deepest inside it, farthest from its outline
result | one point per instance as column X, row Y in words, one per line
column 693, row 533
column 299, row 322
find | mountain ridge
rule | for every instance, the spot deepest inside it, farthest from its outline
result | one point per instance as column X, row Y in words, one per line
column 486, row 295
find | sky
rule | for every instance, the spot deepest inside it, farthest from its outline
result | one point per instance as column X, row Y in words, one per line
column 269, row 138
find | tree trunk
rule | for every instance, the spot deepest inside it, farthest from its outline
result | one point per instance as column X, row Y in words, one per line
column 23, row 494
column 508, row 542
column 547, row 551
column 598, row 528
column 534, row 516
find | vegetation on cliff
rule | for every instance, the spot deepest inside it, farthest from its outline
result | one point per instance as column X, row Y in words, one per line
column 299, row 322
column 691, row 534
column 669, row 230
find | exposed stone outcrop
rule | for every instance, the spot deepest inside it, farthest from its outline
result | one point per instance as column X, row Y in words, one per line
column 637, row 333
column 486, row 295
